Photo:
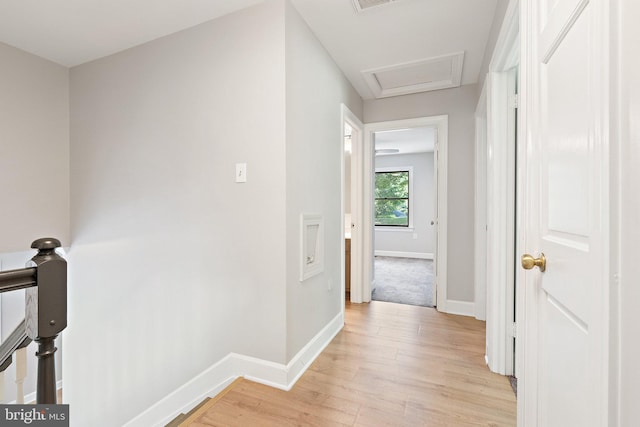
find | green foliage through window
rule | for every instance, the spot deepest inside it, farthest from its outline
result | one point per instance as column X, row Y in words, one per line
column 392, row 199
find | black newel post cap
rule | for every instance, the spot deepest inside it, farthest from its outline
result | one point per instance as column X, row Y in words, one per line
column 46, row 244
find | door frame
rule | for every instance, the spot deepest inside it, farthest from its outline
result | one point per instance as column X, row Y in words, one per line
column 441, row 123
column 347, row 116
column 502, row 212
column 480, row 208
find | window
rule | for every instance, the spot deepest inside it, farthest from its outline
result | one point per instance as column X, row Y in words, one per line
column 392, row 203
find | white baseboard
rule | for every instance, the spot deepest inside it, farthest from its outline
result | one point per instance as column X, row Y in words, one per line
column 397, row 254
column 305, row 357
column 285, row 376
column 216, row 378
column 207, row 384
column 462, row 308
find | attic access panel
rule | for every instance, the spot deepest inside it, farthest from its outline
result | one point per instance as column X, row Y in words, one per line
column 441, row 72
column 362, row 5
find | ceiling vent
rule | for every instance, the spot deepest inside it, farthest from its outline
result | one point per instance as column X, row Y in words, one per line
column 440, row 72
column 362, row 5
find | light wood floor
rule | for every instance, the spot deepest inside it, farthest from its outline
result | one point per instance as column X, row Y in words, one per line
column 392, row 365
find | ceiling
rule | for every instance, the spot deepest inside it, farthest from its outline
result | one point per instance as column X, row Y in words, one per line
column 401, row 47
column 402, row 32
column 71, row 32
column 406, row 141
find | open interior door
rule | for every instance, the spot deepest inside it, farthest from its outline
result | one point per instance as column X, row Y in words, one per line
column 565, row 86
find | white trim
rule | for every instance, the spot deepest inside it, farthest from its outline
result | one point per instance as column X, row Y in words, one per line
column 507, row 52
column 480, row 207
column 206, row 384
column 391, row 229
column 311, row 263
column 397, row 254
column 501, row 222
column 460, row 308
column 454, row 79
column 441, row 159
column 526, row 303
column 359, row 9
column 216, row 378
column 357, row 221
column 301, row 361
column 500, row 251
column 363, row 288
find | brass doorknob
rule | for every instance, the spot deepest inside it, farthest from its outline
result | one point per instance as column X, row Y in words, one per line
column 528, row 262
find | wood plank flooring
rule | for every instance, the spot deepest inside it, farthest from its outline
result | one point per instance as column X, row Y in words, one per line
column 392, row 365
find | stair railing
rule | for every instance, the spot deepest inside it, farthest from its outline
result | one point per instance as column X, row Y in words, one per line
column 45, row 281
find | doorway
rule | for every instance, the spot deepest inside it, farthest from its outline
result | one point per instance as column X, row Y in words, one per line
column 404, row 216
column 439, row 126
column 352, row 206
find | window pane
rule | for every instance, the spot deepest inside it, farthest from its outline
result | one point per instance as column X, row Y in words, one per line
column 392, row 212
column 392, row 185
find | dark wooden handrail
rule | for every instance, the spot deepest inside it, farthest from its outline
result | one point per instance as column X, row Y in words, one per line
column 12, row 280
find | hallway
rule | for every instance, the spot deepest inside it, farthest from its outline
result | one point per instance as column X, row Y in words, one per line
column 392, row 365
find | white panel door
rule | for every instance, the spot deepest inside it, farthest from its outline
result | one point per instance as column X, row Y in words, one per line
column 566, row 203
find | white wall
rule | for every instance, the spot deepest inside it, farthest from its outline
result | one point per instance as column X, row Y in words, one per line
column 34, row 171
column 34, row 150
column 398, row 239
column 196, row 265
column 174, row 265
column 459, row 104
column 315, row 90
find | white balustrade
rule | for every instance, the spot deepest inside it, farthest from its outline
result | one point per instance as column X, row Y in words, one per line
column 21, row 373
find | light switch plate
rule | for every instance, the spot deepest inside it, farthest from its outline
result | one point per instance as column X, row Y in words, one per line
column 241, row 172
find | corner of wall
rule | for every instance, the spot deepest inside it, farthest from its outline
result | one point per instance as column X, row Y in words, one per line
column 220, row 375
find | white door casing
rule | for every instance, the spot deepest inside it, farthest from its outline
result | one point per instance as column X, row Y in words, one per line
column 434, row 219
column 501, row 220
column 564, row 117
column 499, row 254
column 356, row 205
column 480, row 208
column 441, row 123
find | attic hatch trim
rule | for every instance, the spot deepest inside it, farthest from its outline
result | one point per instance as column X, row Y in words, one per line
column 455, row 60
column 364, row 5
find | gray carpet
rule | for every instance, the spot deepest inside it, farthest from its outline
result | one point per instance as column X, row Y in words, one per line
column 403, row 281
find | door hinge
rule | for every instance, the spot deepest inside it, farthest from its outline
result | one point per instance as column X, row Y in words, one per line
column 514, row 100
column 514, row 330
